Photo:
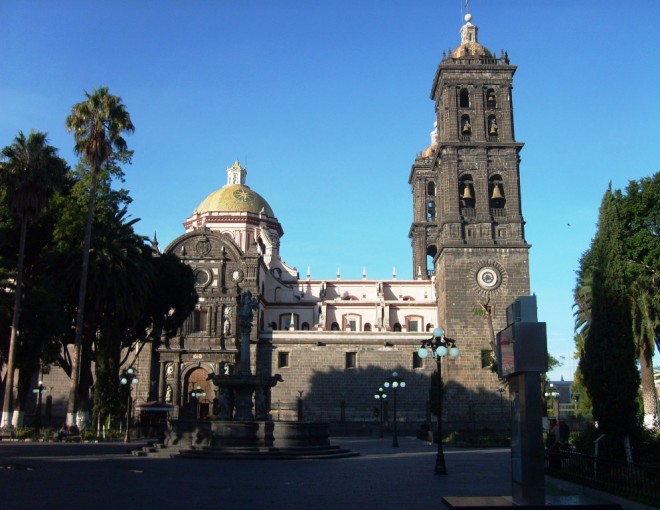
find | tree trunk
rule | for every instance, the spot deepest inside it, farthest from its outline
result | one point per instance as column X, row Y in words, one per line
column 7, row 408
column 649, row 394
column 72, row 408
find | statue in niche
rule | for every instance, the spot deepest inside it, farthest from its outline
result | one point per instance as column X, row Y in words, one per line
column 170, row 369
column 168, row 394
column 226, row 324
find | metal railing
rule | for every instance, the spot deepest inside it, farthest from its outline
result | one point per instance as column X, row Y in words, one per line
column 638, row 483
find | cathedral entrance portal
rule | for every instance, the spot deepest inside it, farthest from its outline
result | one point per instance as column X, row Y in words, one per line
column 198, row 395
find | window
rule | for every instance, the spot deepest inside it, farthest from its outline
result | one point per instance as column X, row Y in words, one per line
column 430, row 189
column 334, row 327
column 466, row 127
column 351, row 360
column 486, row 358
column 493, row 128
column 305, row 326
column 464, row 98
column 351, row 325
column 430, row 211
column 413, row 325
column 417, row 361
column 491, row 100
column 198, row 321
column 367, row 327
column 396, row 327
column 282, row 360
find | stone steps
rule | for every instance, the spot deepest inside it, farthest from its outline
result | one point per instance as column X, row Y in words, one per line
column 245, row 453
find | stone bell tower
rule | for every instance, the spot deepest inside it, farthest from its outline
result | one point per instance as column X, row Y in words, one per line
column 467, row 226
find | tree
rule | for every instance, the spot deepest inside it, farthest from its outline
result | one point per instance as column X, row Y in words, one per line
column 30, row 172
column 640, row 214
column 98, row 124
column 607, row 360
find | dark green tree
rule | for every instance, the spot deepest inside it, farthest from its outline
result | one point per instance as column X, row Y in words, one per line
column 640, row 212
column 98, row 125
column 30, row 173
column 608, row 362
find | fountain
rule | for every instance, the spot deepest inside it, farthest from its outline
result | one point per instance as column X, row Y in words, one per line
column 242, row 426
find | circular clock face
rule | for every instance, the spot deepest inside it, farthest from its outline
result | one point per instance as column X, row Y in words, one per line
column 243, row 195
column 488, row 278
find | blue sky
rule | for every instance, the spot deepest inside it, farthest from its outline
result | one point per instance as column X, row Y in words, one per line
column 327, row 103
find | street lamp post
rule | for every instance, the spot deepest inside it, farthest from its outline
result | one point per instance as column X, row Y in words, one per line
column 130, row 379
column 395, row 382
column 501, row 392
column 380, row 396
column 196, row 394
column 39, row 390
column 439, row 346
column 552, row 394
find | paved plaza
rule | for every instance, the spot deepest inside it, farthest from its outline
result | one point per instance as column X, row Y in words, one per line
column 100, row 476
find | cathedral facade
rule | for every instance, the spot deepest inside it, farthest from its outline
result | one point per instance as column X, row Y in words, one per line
column 334, row 341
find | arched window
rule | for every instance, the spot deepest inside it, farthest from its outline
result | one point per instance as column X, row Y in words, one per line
column 497, row 198
column 466, row 126
column 367, row 327
column 430, row 210
column 273, row 326
column 493, row 128
column 305, row 326
column 334, row 327
column 491, row 99
column 464, row 98
column 466, row 192
column 431, row 252
column 430, row 189
column 396, row 327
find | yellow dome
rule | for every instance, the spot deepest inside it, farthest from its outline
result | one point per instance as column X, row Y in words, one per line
column 235, row 198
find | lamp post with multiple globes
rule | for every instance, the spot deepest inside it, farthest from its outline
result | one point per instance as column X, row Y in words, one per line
column 395, row 382
column 129, row 380
column 197, row 394
column 380, row 396
column 439, row 346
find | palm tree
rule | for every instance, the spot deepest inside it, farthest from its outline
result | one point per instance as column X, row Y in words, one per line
column 98, row 124
column 31, row 172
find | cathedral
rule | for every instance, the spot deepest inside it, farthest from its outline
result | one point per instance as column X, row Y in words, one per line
column 333, row 341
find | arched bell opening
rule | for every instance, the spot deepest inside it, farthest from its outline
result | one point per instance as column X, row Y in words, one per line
column 430, row 210
column 496, row 194
column 493, row 128
column 491, row 99
column 431, row 252
column 466, row 126
column 464, row 98
column 466, row 193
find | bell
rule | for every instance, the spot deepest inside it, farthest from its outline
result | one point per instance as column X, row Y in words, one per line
column 467, row 194
column 496, row 192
